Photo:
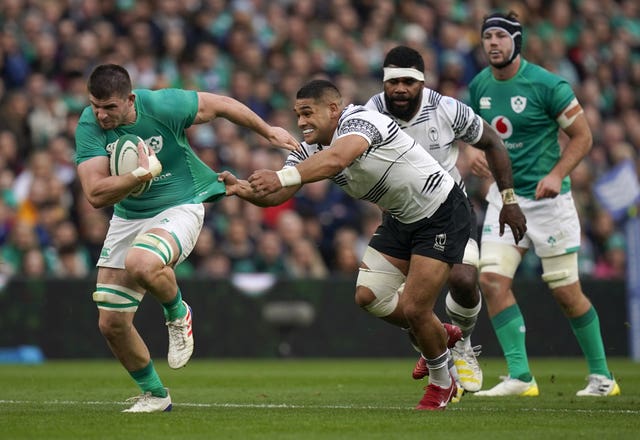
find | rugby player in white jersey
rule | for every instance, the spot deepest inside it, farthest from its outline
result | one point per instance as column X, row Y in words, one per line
column 426, row 217
column 437, row 123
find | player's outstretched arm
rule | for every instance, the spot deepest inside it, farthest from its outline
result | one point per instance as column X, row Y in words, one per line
column 211, row 106
column 243, row 189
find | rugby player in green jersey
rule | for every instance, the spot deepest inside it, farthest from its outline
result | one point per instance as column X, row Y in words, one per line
column 527, row 105
column 152, row 233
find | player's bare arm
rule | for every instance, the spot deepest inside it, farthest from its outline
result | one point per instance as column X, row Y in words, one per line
column 580, row 142
column 477, row 162
column 499, row 164
column 496, row 156
column 211, row 106
column 102, row 189
column 243, row 189
column 320, row 166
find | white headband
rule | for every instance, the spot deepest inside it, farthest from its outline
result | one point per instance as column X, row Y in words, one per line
column 402, row 72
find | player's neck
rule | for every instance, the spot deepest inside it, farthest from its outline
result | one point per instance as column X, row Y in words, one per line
column 508, row 71
column 131, row 117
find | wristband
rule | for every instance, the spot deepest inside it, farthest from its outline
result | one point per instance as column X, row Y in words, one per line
column 143, row 174
column 508, row 196
column 289, row 176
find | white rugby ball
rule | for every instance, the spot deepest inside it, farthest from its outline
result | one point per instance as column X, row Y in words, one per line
column 124, row 159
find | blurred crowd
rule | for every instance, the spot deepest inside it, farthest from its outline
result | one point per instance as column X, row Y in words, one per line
column 260, row 52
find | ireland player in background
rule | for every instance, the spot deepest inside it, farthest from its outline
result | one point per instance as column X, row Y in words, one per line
column 150, row 234
column 527, row 105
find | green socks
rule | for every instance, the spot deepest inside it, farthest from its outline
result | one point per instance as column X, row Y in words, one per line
column 587, row 331
column 510, row 330
column 149, row 381
column 174, row 309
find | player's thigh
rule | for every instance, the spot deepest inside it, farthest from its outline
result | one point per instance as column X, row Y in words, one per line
column 425, row 280
column 553, row 225
column 491, row 230
column 182, row 224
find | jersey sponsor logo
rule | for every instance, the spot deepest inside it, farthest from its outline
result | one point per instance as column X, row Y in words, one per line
column 503, row 126
column 440, row 242
column 162, row 177
column 518, row 103
column 485, row 103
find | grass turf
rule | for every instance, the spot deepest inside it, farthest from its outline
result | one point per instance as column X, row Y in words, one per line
column 306, row 399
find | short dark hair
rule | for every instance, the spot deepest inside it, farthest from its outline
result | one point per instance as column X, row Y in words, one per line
column 108, row 80
column 318, row 89
column 403, row 56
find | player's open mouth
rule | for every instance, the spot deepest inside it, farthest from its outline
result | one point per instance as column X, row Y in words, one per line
column 307, row 131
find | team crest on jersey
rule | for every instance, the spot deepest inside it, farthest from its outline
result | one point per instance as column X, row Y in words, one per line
column 518, row 103
column 485, row 103
column 155, row 143
column 433, row 134
column 503, row 126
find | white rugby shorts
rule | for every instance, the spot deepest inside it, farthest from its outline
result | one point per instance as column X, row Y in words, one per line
column 183, row 221
column 553, row 226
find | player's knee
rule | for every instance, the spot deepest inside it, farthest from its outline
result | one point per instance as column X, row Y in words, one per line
column 112, row 326
column 499, row 258
column 463, row 280
column 364, row 296
column 378, row 285
column 489, row 284
column 415, row 313
column 381, row 303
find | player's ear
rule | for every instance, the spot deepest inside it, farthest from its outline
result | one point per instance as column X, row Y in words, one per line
column 334, row 108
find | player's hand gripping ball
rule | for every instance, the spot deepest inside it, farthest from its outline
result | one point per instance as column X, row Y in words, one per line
column 124, row 160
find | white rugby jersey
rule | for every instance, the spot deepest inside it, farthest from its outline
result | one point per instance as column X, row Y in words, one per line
column 395, row 172
column 439, row 121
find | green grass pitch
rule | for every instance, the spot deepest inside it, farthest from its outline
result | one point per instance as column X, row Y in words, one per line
column 307, row 399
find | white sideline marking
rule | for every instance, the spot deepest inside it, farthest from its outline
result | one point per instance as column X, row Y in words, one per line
column 290, row 406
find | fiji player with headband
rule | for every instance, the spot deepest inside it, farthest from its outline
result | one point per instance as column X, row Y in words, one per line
column 527, row 104
column 437, row 123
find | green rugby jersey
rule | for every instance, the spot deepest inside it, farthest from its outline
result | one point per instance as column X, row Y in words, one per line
column 161, row 119
column 523, row 110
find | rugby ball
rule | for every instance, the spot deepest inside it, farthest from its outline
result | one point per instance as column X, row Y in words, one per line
column 124, row 159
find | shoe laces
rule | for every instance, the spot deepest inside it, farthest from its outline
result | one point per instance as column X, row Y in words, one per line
column 596, row 382
column 468, row 351
column 140, row 400
column 178, row 329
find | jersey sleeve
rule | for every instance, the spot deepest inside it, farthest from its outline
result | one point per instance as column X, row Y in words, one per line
column 376, row 103
column 176, row 107
column 90, row 139
column 362, row 125
column 466, row 124
column 295, row 157
column 560, row 97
